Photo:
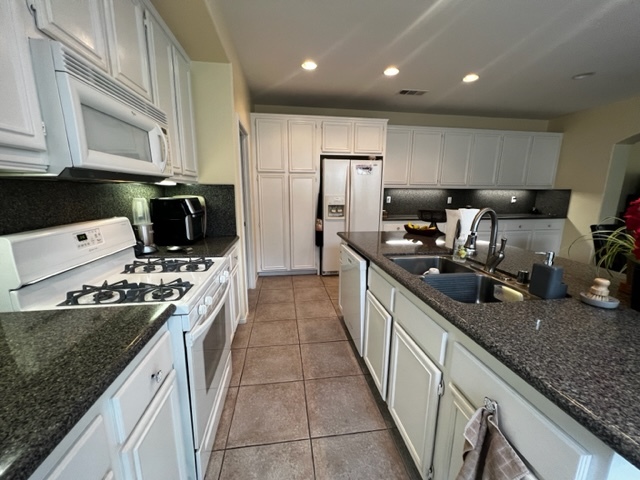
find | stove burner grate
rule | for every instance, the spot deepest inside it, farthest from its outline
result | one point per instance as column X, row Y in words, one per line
column 125, row 292
column 164, row 265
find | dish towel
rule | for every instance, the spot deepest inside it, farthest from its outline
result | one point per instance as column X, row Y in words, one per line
column 463, row 215
column 487, row 455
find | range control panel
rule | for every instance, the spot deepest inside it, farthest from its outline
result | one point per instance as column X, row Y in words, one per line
column 88, row 238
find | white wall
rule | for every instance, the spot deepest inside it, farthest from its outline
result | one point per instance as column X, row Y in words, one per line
column 585, row 161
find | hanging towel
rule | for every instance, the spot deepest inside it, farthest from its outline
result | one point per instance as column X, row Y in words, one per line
column 487, row 455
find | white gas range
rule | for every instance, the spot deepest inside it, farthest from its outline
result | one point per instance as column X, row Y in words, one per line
column 93, row 264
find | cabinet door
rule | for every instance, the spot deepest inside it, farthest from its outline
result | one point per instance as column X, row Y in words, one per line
column 273, row 197
column 377, row 342
column 546, row 240
column 129, row 58
column 164, row 92
column 337, row 137
column 397, row 158
column 303, row 198
column 184, row 106
column 455, row 413
column 518, row 238
column 88, row 458
column 303, row 156
column 485, row 155
column 79, row 25
column 425, row 158
column 543, row 161
column 155, row 448
column 20, row 119
column 413, row 397
column 455, row 158
column 369, row 137
column 513, row 159
column 271, row 144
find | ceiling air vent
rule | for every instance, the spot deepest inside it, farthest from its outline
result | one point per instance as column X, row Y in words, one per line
column 415, row 93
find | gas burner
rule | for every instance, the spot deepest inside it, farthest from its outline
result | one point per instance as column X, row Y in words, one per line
column 125, row 292
column 164, row 265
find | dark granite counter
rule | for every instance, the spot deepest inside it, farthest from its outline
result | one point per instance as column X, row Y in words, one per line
column 217, row 246
column 54, row 365
column 515, row 216
column 584, row 359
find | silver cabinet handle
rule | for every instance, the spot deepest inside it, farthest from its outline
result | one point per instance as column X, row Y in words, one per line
column 157, row 376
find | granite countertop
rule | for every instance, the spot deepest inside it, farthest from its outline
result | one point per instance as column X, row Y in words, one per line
column 584, row 359
column 528, row 216
column 54, row 365
column 218, row 246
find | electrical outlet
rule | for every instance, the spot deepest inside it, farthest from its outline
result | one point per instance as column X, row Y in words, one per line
column 449, row 199
column 514, row 199
column 388, row 198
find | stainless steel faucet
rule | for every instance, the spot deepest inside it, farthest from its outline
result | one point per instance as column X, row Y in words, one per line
column 493, row 258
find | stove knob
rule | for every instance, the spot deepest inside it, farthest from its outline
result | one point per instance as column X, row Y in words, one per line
column 208, row 300
column 202, row 309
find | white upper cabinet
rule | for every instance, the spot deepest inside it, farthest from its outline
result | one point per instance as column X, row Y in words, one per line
column 450, row 157
column 22, row 140
column 79, row 25
column 129, row 59
column 108, row 33
column 426, row 157
column 351, row 136
column 455, row 158
column 188, row 167
column 543, row 161
column 485, row 155
column 271, row 144
column 513, row 159
column 398, row 157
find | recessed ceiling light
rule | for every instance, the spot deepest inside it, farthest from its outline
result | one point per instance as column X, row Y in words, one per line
column 309, row 65
column 470, row 78
column 391, row 71
column 582, row 76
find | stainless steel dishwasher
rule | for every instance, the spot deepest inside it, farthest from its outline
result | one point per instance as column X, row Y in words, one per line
column 353, row 286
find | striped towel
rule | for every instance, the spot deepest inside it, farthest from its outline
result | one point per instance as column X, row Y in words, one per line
column 487, row 455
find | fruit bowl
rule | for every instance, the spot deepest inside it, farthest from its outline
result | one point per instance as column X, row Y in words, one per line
column 425, row 231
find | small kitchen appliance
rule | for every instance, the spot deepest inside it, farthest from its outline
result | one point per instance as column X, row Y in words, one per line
column 143, row 226
column 93, row 265
column 178, row 220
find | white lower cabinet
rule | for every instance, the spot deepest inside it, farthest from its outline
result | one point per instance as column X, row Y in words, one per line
column 377, row 341
column 155, row 448
column 414, row 383
column 88, row 458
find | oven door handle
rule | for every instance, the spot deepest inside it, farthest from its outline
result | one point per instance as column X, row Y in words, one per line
column 204, row 324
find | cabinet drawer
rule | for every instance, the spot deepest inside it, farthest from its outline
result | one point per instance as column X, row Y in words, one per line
column 381, row 289
column 431, row 337
column 131, row 400
column 546, row 448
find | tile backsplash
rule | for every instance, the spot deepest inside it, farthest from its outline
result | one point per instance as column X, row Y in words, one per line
column 27, row 204
column 407, row 201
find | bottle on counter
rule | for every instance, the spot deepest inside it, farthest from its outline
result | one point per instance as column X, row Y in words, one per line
column 546, row 279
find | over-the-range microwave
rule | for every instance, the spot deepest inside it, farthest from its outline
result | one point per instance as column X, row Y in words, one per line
column 96, row 128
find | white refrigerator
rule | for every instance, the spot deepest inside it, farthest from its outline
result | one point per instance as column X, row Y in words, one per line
column 352, row 202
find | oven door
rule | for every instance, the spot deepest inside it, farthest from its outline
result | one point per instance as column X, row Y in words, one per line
column 208, row 346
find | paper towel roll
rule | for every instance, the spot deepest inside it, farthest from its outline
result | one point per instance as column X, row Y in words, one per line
column 463, row 215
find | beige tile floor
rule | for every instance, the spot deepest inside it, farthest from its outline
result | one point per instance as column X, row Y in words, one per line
column 301, row 404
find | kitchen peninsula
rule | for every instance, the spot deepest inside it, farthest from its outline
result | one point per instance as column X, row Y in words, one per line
column 582, row 359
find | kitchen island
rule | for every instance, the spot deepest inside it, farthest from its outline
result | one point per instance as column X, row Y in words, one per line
column 585, row 360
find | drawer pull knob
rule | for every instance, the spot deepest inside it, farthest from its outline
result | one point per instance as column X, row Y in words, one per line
column 157, row 376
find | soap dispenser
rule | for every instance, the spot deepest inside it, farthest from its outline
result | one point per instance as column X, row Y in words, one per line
column 546, row 279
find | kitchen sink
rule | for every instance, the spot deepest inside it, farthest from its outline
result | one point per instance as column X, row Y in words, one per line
column 420, row 264
column 472, row 287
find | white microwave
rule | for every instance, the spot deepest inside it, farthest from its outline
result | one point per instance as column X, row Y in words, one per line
column 95, row 127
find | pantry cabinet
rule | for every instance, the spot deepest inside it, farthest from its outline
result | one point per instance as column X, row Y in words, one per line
column 22, row 138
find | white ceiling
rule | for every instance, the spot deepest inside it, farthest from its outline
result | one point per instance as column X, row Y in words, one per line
column 525, row 51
